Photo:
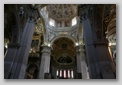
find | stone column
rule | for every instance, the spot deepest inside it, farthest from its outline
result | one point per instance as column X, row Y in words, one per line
column 45, row 62
column 81, row 62
column 84, row 67
column 19, row 68
column 108, row 69
column 91, row 53
column 11, row 52
column 79, row 71
column 9, row 59
column 63, row 24
column 98, row 56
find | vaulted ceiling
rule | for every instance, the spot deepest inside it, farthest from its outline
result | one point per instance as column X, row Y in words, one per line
column 62, row 11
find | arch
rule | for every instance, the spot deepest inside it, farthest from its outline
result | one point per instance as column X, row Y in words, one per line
column 33, row 64
column 11, row 23
column 32, row 71
column 63, row 51
column 57, row 37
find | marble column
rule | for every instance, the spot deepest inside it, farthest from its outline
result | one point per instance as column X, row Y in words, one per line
column 45, row 62
column 20, row 61
column 9, row 59
column 108, row 69
column 84, row 67
column 11, row 52
column 78, row 75
column 81, row 62
column 92, row 57
column 78, row 60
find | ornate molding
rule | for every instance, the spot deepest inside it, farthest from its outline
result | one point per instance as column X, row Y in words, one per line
column 62, row 11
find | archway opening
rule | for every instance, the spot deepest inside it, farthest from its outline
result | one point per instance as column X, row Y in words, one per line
column 32, row 71
column 63, row 59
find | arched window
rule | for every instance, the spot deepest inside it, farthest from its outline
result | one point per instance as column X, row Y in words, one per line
column 60, row 73
column 64, row 73
column 68, row 73
column 74, row 21
column 72, row 75
column 57, row 72
column 52, row 22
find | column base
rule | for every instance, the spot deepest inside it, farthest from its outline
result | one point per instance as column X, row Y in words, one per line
column 78, row 76
column 47, row 76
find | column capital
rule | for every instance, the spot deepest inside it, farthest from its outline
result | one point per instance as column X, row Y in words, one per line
column 46, row 49
column 33, row 15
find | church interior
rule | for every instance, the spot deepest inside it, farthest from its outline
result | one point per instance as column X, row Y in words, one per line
column 59, row 41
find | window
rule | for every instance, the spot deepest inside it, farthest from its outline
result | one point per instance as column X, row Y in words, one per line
column 68, row 73
column 52, row 22
column 72, row 74
column 57, row 72
column 64, row 73
column 74, row 21
column 60, row 73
